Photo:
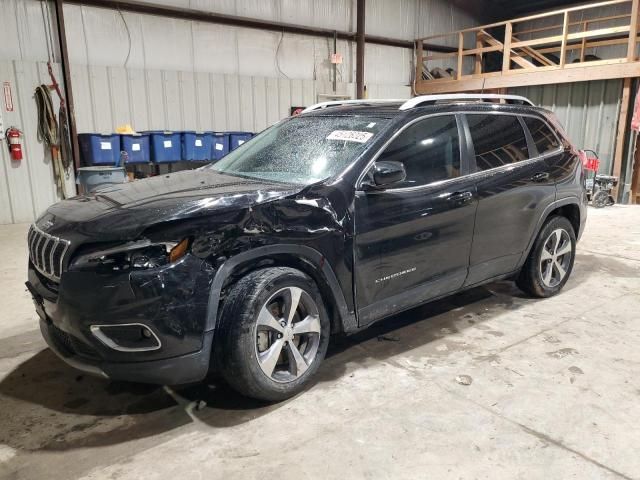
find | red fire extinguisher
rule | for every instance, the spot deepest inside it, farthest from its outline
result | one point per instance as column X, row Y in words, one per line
column 15, row 143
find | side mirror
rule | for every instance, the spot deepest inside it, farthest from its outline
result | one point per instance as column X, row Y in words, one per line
column 388, row 172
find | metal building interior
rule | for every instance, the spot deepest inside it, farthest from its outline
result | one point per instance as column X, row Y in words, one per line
column 486, row 383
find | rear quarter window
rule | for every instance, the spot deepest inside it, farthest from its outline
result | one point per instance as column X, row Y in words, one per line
column 545, row 140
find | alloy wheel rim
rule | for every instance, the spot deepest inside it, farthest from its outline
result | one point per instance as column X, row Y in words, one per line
column 555, row 258
column 287, row 334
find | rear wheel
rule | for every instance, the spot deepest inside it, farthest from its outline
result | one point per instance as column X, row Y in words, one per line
column 274, row 333
column 550, row 261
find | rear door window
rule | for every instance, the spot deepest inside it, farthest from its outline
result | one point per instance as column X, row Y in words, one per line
column 545, row 140
column 497, row 140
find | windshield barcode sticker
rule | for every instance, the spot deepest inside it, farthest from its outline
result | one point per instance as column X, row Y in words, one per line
column 350, row 136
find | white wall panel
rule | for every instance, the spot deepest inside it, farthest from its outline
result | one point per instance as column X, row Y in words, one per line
column 246, row 107
column 101, row 28
column 272, row 101
column 176, row 100
column 220, row 103
column 138, row 97
column 204, row 101
column 22, row 33
column 219, row 6
column 10, row 40
column 77, row 47
column 232, row 96
column 215, row 48
column 172, row 107
column 18, row 178
column 101, row 37
column 119, row 95
column 395, row 19
column 387, row 65
column 155, row 95
column 333, row 14
column 264, row 9
column 259, row 104
column 101, row 98
column 256, row 52
column 187, row 98
column 167, row 43
column 27, row 186
column 284, row 97
column 83, row 101
column 297, row 12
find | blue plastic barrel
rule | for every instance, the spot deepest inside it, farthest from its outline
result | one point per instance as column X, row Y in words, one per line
column 220, row 145
column 238, row 138
column 137, row 147
column 196, row 146
column 99, row 149
column 165, row 146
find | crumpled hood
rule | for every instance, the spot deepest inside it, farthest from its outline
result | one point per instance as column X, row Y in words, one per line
column 125, row 210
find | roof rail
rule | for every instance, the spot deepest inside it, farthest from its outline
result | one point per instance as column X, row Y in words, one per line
column 433, row 99
column 338, row 103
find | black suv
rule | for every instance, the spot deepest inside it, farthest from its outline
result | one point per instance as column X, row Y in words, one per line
column 322, row 224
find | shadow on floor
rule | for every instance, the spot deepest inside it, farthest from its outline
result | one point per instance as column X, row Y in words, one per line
column 397, row 334
column 47, row 405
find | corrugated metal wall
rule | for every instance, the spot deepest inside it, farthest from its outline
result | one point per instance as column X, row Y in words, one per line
column 156, row 72
column 27, row 187
column 588, row 110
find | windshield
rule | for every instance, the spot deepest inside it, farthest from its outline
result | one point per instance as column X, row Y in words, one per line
column 302, row 150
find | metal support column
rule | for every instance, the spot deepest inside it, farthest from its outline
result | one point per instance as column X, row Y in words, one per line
column 66, row 73
column 360, row 49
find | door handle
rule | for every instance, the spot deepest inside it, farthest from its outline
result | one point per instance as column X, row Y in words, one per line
column 540, row 177
column 461, row 197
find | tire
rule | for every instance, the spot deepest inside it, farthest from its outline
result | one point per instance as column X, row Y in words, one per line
column 257, row 355
column 600, row 199
column 541, row 275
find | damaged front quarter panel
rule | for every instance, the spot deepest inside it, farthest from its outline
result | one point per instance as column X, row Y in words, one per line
column 175, row 296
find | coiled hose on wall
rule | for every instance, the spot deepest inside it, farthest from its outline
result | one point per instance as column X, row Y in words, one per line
column 49, row 134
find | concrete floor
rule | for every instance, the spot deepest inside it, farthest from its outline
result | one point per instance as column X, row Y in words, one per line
column 555, row 391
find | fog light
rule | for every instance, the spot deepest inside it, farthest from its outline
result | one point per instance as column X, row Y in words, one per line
column 127, row 337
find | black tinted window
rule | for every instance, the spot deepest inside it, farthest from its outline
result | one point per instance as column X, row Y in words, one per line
column 429, row 149
column 543, row 137
column 497, row 139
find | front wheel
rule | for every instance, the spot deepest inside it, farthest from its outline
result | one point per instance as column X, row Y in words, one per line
column 274, row 333
column 550, row 261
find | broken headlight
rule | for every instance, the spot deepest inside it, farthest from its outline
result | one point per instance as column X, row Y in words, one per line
column 132, row 256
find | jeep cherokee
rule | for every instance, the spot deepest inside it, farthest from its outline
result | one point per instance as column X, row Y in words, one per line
column 324, row 223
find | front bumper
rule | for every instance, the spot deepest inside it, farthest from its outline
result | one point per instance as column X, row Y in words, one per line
column 189, row 368
column 170, row 301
